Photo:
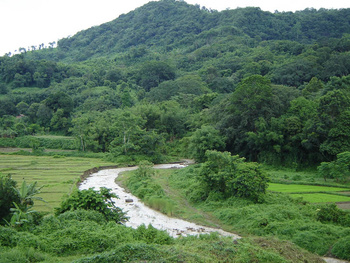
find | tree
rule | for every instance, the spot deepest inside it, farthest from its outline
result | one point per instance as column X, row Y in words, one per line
column 231, row 176
column 60, row 100
column 58, row 122
column 7, row 107
column 22, row 107
column 338, row 169
column 128, row 132
column 8, row 195
column 252, row 99
column 152, row 73
column 22, row 211
column 3, row 88
column 312, row 87
column 203, row 139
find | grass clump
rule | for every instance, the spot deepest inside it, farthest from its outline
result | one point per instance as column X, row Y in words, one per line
column 142, row 184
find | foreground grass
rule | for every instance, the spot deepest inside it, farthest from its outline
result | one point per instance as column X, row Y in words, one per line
column 58, row 175
column 280, row 216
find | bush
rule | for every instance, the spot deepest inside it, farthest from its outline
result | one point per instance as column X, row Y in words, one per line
column 21, row 255
column 100, row 201
column 151, row 235
column 341, row 248
column 145, row 169
column 331, row 213
column 83, row 215
column 128, row 253
column 8, row 237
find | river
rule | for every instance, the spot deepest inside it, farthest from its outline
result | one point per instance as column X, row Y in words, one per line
column 138, row 212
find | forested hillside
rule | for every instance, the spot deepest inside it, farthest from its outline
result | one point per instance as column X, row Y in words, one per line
column 170, row 78
column 260, row 101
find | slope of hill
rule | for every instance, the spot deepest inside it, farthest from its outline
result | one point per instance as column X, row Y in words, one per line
column 169, row 24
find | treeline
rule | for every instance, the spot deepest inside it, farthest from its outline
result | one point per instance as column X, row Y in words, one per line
column 257, row 84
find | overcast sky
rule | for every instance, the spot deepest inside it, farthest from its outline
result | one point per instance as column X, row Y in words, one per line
column 26, row 23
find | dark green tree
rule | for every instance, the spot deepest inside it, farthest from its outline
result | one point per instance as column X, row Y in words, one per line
column 231, row 176
column 153, row 73
column 203, row 139
column 8, row 195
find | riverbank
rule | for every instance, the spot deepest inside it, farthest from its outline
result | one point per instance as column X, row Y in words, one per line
column 139, row 213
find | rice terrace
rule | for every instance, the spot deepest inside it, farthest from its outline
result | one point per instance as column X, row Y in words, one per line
column 57, row 175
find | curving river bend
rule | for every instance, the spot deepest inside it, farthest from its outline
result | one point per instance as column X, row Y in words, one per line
column 139, row 213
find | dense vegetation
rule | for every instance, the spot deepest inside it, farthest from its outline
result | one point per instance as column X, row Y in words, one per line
column 131, row 86
column 171, row 80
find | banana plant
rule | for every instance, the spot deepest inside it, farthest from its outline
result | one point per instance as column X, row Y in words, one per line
column 22, row 211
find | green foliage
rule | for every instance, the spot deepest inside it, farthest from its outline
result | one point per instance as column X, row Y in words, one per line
column 341, row 248
column 100, row 201
column 152, row 73
column 142, row 184
column 203, row 139
column 230, row 176
column 8, row 195
column 145, row 169
column 23, row 215
column 338, row 169
column 331, row 213
column 151, row 235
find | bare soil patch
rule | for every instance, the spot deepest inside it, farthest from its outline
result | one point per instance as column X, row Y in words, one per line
column 343, row 205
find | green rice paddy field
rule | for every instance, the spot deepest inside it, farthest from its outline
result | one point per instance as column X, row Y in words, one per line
column 312, row 193
column 58, row 175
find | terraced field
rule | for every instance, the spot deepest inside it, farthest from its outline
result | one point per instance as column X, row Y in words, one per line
column 58, row 175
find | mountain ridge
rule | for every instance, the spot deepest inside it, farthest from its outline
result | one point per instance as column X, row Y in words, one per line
column 168, row 24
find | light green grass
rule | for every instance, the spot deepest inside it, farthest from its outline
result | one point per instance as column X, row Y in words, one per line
column 58, row 175
column 297, row 188
column 322, row 198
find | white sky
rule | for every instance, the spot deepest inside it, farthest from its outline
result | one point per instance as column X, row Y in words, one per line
column 24, row 23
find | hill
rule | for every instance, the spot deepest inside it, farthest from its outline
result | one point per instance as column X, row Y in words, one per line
column 166, row 25
column 175, row 67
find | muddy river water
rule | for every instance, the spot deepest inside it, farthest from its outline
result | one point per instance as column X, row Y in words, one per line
column 139, row 213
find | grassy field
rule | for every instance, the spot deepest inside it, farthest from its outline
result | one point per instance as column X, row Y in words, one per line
column 58, row 175
column 312, row 193
column 322, row 198
column 297, row 188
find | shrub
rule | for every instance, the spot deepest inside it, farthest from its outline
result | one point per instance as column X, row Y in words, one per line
column 341, row 248
column 145, row 169
column 83, row 215
column 8, row 236
column 100, row 201
column 128, row 253
column 21, row 255
column 151, row 235
column 331, row 213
